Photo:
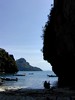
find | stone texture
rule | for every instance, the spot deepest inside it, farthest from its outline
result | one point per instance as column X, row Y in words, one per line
column 59, row 41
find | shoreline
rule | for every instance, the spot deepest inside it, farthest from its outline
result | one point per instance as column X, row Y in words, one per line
column 38, row 94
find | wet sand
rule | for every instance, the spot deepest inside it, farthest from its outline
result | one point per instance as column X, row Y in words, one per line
column 38, row 94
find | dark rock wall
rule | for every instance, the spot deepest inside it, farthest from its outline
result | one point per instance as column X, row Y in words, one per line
column 59, row 41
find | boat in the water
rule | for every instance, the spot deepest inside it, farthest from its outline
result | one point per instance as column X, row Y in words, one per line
column 8, row 79
column 1, row 81
column 51, row 75
column 19, row 74
column 31, row 73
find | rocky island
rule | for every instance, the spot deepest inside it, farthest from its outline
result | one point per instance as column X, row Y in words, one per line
column 23, row 65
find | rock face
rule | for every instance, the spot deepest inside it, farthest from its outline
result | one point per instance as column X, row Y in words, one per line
column 7, row 62
column 23, row 65
column 59, row 41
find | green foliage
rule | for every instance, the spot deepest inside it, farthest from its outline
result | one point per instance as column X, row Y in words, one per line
column 7, row 62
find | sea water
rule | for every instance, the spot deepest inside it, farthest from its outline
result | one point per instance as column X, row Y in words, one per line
column 31, row 80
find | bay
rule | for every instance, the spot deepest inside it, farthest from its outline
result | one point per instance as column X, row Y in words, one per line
column 31, row 80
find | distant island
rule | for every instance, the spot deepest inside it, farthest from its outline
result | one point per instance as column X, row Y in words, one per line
column 23, row 65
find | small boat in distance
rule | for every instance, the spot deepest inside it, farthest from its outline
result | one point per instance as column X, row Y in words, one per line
column 31, row 73
column 1, row 81
column 19, row 74
column 51, row 75
column 8, row 79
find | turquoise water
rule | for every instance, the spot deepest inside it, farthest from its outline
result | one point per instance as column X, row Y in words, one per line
column 31, row 80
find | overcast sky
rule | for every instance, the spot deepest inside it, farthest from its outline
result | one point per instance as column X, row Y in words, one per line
column 21, row 23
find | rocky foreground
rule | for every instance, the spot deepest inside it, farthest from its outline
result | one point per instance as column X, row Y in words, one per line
column 38, row 94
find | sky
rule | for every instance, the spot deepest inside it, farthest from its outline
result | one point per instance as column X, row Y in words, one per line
column 21, row 23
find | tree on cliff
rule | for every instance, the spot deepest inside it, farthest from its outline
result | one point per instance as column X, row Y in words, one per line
column 7, row 62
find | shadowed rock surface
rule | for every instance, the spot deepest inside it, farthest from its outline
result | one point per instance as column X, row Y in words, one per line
column 7, row 62
column 59, row 41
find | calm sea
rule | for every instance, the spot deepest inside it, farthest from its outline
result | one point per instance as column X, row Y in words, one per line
column 31, row 80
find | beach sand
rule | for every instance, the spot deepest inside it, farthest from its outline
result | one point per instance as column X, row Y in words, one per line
column 38, row 94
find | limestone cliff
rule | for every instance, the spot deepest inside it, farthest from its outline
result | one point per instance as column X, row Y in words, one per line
column 59, row 41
